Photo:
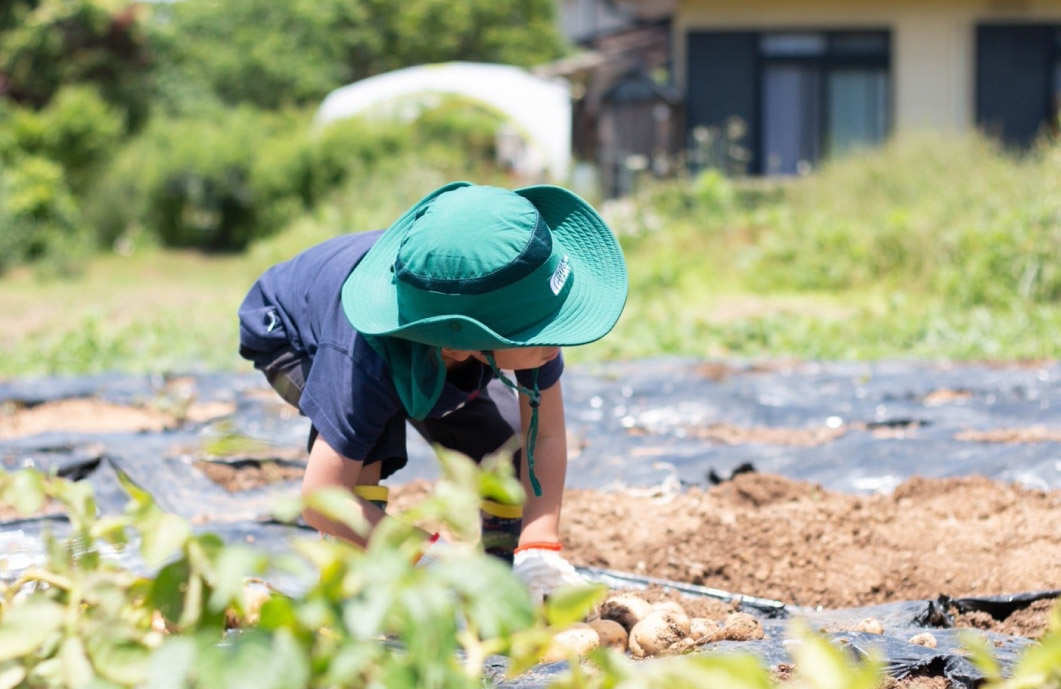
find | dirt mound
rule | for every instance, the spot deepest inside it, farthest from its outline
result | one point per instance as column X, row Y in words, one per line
column 772, row 537
column 85, row 415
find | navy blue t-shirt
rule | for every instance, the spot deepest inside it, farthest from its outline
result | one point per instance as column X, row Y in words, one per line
column 349, row 395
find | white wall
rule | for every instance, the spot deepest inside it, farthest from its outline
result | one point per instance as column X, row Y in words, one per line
column 933, row 43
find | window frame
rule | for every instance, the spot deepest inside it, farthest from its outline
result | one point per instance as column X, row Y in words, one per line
column 823, row 63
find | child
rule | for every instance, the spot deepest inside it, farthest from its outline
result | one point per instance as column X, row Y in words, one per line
column 366, row 331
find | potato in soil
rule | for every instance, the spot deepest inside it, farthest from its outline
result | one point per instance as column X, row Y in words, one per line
column 580, row 638
column 626, row 609
column 740, row 626
column 702, row 628
column 611, row 633
column 658, row 632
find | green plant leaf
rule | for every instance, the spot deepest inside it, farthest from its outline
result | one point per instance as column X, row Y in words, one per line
column 981, row 656
column 276, row 613
column 572, row 603
column 11, row 674
column 337, row 504
column 120, row 660
column 166, row 593
column 77, row 671
column 165, row 536
column 350, row 662
column 1038, row 664
column 173, row 664
column 824, row 666
column 25, row 626
column 24, row 490
column 491, row 596
column 234, row 564
column 526, row 649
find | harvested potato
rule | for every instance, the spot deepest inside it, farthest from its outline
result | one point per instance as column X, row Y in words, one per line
column 579, row 639
column 924, row 639
column 626, row 609
column 870, row 625
column 701, row 628
column 611, row 633
column 657, row 632
column 673, row 606
column 739, row 626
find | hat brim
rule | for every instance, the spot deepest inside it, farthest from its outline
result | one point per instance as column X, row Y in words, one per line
column 592, row 307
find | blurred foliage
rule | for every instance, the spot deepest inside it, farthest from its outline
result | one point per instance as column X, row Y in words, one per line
column 219, row 182
column 273, row 53
column 40, row 218
column 48, row 44
column 189, row 121
column 956, row 217
column 78, row 130
column 950, row 216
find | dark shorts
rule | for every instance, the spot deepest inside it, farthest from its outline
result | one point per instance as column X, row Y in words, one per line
column 478, row 428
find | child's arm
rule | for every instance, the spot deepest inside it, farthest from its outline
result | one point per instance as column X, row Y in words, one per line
column 538, row 562
column 541, row 515
column 326, row 467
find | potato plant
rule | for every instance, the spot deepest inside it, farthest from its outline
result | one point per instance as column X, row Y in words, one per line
column 367, row 618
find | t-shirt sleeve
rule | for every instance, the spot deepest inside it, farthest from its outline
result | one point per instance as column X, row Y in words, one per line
column 547, row 374
column 347, row 403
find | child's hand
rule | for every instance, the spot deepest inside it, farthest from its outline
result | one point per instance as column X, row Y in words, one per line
column 541, row 568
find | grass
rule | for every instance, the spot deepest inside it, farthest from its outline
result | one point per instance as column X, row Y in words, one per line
column 925, row 249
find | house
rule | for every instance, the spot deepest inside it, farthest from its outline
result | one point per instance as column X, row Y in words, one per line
column 812, row 79
column 626, row 115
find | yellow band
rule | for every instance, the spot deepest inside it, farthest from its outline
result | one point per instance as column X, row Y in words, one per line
column 380, row 493
column 499, row 509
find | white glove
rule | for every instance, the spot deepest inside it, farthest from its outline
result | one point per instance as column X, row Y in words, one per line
column 543, row 569
column 432, row 552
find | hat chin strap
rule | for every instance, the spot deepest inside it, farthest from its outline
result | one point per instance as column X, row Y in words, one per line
column 534, row 396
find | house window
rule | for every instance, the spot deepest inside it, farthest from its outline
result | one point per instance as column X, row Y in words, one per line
column 1057, row 76
column 822, row 94
column 1018, row 80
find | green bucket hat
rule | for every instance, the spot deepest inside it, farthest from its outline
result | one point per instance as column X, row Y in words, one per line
column 480, row 267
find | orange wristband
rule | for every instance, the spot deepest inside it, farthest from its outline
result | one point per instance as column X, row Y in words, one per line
column 539, row 545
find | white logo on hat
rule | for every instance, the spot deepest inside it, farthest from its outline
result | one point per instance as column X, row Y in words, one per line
column 560, row 275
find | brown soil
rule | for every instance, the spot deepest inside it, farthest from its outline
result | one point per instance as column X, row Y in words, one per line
column 943, row 396
column 1032, row 434
column 249, row 474
column 83, row 415
column 718, row 371
column 727, row 434
column 1030, row 622
column 694, row 606
column 772, row 537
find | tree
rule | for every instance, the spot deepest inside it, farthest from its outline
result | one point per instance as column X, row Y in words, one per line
column 279, row 52
column 54, row 43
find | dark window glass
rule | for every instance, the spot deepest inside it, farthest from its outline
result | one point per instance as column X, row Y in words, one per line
column 858, row 109
column 791, row 119
column 867, row 44
column 782, row 45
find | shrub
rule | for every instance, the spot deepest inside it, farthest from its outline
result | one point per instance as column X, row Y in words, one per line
column 951, row 216
column 230, row 49
column 191, row 182
column 78, row 130
column 57, row 43
column 219, row 182
column 39, row 216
